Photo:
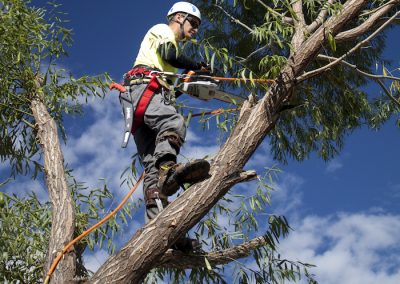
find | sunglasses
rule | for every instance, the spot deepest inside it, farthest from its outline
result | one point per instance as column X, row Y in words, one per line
column 193, row 22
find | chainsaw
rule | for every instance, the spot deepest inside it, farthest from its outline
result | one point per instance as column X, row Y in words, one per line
column 205, row 88
column 208, row 90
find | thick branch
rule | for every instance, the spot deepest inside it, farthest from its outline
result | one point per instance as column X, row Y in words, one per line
column 320, row 18
column 355, row 48
column 297, row 7
column 149, row 244
column 299, row 24
column 371, row 22
column 176, row 259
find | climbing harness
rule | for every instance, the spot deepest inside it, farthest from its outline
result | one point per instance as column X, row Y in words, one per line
column 91, row 229
column 199, row 85
column 133, row 119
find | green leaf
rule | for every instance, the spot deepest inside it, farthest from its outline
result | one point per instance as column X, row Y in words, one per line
column 331, row 41
column 208, row 265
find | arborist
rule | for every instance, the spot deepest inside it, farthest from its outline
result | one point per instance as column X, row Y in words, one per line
column 159, row 130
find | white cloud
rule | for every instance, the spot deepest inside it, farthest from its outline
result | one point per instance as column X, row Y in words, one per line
column 96, row 152
column 94, row 260
column 24, row 186
column 348, row 248
column 334, row 166
column 394, row 191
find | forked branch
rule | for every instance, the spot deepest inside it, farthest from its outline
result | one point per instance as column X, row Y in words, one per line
column 355, row 48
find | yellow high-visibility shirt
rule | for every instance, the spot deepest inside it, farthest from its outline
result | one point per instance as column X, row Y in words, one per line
column 148, row 54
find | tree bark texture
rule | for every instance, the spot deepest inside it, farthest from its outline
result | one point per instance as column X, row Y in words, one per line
column 149, row 244
column 63, row 215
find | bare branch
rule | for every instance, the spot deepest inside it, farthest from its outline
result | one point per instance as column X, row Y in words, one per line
column 355, row 48
column 233, row 19
column 377, row 78
column 320, row 18
column 287, row 20
column 244, row 60
column 369, row 75
column 175, row 259
column 387, row 92
column 243, row 176
column 368, row 24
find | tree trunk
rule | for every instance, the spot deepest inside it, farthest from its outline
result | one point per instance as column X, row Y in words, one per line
column 63, row 217
column 147, row 246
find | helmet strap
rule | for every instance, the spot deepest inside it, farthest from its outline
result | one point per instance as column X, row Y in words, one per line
column 181, row 25
column 182, row 33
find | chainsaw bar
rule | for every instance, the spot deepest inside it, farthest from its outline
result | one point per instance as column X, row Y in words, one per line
column 206, row 90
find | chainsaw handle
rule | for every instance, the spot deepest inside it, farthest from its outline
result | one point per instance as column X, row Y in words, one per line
column 188, row 75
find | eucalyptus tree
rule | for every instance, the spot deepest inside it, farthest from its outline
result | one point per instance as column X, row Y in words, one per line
column 35, row 94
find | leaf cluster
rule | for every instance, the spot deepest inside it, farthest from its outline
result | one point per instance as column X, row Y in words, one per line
column 24, row 230
column 25, row 226
column 31, row 41
column 253, row 39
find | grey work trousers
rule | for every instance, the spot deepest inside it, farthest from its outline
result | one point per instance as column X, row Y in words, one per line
column 160, row 116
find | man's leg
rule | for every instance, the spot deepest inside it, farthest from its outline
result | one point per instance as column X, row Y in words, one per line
column 161, row 138
column 155, row 201
column 171, row 131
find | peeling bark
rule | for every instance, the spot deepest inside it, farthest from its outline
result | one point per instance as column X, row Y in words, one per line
column 63, row 213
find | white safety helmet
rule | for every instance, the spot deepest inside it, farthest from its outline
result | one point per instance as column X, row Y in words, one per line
column 185, row 7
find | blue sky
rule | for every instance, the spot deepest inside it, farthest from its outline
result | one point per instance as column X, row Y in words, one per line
column 345, row 212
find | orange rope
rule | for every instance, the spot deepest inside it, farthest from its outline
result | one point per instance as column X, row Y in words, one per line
column 88, row 231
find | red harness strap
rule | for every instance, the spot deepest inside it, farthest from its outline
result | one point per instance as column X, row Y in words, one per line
column 145, row 98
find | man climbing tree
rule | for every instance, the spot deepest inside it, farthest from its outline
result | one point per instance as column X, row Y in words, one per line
column 158, row 129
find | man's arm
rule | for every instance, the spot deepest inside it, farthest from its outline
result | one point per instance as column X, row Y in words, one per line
column 168, row 53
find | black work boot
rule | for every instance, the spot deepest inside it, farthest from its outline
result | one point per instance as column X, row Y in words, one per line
column 187, row 245
column 171, row 176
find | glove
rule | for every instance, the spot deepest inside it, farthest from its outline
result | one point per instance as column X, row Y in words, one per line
column 204, row 69
column 204, row 66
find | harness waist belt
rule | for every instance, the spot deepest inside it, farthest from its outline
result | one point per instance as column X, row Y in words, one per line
column 146, row 97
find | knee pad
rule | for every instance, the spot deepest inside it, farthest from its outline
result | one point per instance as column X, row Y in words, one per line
column 173, row 138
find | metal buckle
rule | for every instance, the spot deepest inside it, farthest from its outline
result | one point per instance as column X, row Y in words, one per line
column 154, row 73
